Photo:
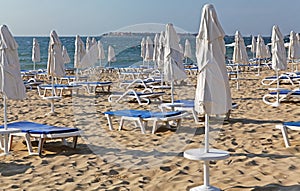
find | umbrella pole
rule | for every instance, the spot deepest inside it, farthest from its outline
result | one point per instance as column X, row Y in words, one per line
column 277, row 96
column 33, row 65
column 52, row 92
column 5, row 112
column 172, row 92
column 206, row 150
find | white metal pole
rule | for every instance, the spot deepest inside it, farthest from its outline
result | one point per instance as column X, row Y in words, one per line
column 5, row 112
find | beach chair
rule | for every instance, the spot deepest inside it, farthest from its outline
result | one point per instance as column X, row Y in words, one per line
column 283, row 78
column 188, row 105
column 143, row 98
column 42, row 132
column 91, row 87
column 287, row 125
column 59, row 89
column 274, row 98
column 142, row 117
column 145, row 83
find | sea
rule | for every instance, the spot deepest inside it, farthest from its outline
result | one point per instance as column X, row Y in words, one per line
column 127, row 48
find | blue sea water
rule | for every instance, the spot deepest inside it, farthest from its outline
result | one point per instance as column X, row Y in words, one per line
column 127, row 48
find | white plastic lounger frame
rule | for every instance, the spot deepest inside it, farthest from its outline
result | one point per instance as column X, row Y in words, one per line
column 145, row 95
column 283, row 78
column 143, row 122
column 280, row 96
column 283, row 129
column 43, row 137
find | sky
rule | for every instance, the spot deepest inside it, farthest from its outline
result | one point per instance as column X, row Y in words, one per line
column 96, row 17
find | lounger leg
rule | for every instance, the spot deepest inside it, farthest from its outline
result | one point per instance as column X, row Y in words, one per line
column 121, row 123
column 75, row 141
column 154, row 128
column 140, row 121
column 109, row 122
column 11, row 137
column 195, row 116
column 28, row 143
column 285, row 136
column 40, row 147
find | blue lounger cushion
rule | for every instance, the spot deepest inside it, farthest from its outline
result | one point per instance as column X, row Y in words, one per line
column 143, row 113
column 37, row 128
column 94, row 83
column 185, row 103
column 296, row 123
column 283, row 92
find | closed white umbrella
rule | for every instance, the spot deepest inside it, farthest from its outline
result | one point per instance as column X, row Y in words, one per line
column 173, row 66
column 155, row 48
column 161, row 47
column 187, row 50
column 294, row 48
column 79, row 51
column 55, row 65
column 253, row 46
column 65, row 55
column 35, row 52
column 213, row 95
column 279, row 61
column 261, row 51
column 240, row 55
column 90, row 57
column 149, row 50
column 143, row 49
column 101, row 54
column 11, row 83
column 88, row 43
column 111, row 56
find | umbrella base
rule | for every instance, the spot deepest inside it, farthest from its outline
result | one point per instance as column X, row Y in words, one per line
column 205, row 188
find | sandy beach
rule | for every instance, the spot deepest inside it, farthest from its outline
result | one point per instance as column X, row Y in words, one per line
column 128, row 160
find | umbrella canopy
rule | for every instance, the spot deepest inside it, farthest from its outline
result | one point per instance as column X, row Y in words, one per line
column 101, row 54
column 88, row 43
column 111, row 56
column 253, row 46
column 212, row 93
column 55, row 65
column 173, row 66
column 65, row 55
column 149, row 49
column 161, row 47
column 261, row 50
column 279, row 61
column 143, row 48
column 12, row 85
column 79, row 51
column 35, row 52
column 240, row 55
column 187, row 49
column 155, row 48
column 294, row 47
column 90, row 57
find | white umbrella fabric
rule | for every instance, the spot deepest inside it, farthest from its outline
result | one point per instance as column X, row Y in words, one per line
column 161, row 47
column 55, row 65
column 149, row 50
column 11, row 83
column 79, row 51
column 261, row 51
column 65, row 55
column 173, row 66
column 101, row 53
column 212, row 95
column 187, row 50
column 36, row 57
column 294, row 49
column 88, row 43
column 143, row 49
column 253, row 46
column 240, row 55
column 279, row 61
column 90, row 57
column 111, row 56
column 155, row 48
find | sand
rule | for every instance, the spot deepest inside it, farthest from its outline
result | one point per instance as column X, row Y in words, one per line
column 128, row 160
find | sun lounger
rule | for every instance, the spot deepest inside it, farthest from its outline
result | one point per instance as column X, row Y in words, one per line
column 288, row 125
column 91, row 87
column 42, row 132
column 145, row 83
column 59, row 89
column 275, row 97
column 145, row 96
column 141, row 117
column 283, row 78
